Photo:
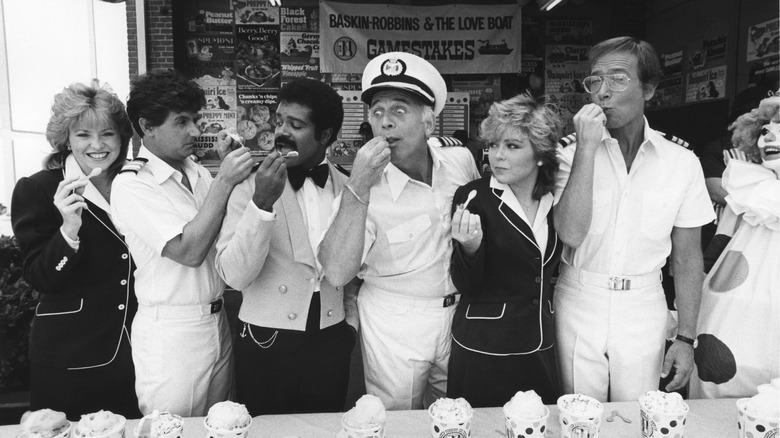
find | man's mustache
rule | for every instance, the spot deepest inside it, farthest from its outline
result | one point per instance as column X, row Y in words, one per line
column 281, row 142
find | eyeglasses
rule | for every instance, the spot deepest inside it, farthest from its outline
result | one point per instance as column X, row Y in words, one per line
column 615, row 82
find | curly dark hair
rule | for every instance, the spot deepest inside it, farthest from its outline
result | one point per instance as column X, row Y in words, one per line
column 322, row 99
column 157, row 93
column 81, row 103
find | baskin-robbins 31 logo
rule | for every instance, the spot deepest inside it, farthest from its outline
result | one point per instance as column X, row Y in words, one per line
column 648, row 425
column 393, row 67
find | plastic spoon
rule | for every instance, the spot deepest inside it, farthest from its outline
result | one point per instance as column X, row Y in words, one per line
column 472, row 195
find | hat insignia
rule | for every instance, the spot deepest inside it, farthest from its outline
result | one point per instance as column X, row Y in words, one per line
column 393, row 67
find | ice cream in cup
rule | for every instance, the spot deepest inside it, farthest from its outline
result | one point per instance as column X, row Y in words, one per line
column 44, row 423
column 160, row 425
column 450, row 418
column 366, row 420
column 227, row 419
column 759, row 416
column 526, row 415
column 663, row 414
column 100, row 424
column 579, row 416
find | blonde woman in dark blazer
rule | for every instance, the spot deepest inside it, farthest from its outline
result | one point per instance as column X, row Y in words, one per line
column 505, row 252
column 74, row 256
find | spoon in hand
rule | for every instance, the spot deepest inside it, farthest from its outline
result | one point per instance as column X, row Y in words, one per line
column 472, row 195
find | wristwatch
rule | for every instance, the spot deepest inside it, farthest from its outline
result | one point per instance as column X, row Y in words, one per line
column 692, row 342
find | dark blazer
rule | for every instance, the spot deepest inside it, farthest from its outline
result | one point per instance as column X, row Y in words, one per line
column 87, row 301
column 506, row 305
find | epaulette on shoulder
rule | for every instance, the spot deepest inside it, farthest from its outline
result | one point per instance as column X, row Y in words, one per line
column 568, row 140
column 676, row 139
column 444, row 141
column 341, row 169
column 134, row 165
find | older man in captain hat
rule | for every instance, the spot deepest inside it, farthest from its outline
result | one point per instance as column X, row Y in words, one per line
column 392, row 230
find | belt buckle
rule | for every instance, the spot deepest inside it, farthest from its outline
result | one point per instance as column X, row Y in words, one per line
column 619, row 283
column 216, row 305
column 450, row 300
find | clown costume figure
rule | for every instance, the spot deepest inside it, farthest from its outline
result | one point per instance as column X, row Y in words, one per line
column 739, row 320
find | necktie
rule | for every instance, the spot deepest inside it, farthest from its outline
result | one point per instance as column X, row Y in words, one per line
column 297, row 175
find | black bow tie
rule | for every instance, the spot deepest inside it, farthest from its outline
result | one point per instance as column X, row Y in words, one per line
column 318, row 174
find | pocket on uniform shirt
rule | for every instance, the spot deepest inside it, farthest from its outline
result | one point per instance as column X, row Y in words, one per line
column 59, row 307
column 404, row 239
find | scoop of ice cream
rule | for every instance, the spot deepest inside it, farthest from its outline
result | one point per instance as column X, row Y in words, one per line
column 663, row 402
column 158, row 424
column 228, row 415
column 368, row 411
column 580, row 405
column 97, row 423
column 525, row 404
column 448, row 410
column 767, row 402
column 44, row 423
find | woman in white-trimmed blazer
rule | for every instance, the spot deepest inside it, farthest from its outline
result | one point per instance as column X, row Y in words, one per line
column 505, row 253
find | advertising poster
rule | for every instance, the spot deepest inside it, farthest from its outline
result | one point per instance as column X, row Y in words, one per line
column 482, row 93
column 257, row 60
column 255, row 12
column 300, row 55
column 706, row 84
column 203, row 16
column 208, row 57
column 300, row 19
column 670, row 89
column 569, row 32
column 255, row 117
column 567, row 66
column 454, row 38
column 210, row 123
column 763, row 40
column 707, row 54
column 764, row 71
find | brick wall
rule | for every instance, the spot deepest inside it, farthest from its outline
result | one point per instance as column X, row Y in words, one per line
column 159, row 40
column 159, row 35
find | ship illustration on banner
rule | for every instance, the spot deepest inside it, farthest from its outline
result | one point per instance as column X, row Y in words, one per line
column 494, row 49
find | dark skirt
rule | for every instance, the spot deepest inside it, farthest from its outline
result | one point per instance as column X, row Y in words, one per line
column 78, row 392
column 490, row 381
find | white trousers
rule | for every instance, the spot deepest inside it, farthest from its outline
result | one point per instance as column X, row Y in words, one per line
column 182, row 365
column 406, row 348
column 610, row 342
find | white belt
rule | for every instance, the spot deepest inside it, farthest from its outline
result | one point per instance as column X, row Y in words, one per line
column 185, row 311
column 445, row 301
column 622, row 282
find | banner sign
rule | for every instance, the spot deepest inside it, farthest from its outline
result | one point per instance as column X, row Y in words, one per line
column 460, row 39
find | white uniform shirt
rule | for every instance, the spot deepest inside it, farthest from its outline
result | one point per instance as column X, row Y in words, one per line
column 407, row 242
column 152, row 207
column 634, row 212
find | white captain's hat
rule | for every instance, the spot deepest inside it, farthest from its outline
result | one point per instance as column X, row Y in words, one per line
column 404, row 71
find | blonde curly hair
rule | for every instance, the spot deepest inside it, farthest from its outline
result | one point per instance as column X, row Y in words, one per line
column 747, row 127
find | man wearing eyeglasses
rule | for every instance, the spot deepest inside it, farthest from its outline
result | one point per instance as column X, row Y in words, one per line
column 626, row 199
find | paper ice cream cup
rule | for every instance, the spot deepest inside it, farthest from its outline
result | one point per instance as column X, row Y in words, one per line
column 660, row 424
column 117, row 432
column 175, row 432
column 579, row 425
column 526, row 427
column 447, row 429
column 373, row 431
column 755, row 426
column 241, row 432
